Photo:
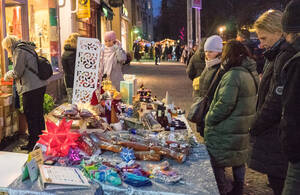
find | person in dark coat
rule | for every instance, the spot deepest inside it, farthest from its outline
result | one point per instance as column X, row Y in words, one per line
column 177, row 52
column 267, row 156
column 197, row 62
column 290, row 119
column 212, row 63
column 157, row 53
column 28, row 84
column 243, row 36
column 68, row 63
column 136, row 50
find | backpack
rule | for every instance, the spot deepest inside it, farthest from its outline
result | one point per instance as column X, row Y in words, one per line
column 44, row 67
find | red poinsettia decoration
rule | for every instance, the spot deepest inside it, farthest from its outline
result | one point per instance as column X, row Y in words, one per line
column 58, row 139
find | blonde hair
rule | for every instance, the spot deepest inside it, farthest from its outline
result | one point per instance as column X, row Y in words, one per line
column 8, row 42
column 269, row 21
column 72, row 40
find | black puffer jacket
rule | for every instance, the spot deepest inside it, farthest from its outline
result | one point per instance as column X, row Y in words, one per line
column 68, row 63
column 267, row 156
column 290, row 120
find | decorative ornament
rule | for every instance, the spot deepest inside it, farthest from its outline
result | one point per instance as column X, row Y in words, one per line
column 74, row 156
column 127, row 154
column 58, row 139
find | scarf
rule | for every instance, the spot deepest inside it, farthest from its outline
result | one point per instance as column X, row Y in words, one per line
column 109, row 60
column 213, row 62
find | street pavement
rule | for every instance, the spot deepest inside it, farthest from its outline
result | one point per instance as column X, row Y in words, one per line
column 168, row 76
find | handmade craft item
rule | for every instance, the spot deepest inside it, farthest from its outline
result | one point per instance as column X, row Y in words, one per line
column 86, row 69
column 58, row 139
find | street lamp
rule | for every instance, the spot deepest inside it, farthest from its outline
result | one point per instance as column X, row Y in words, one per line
column 222, row 29
column 136, row 31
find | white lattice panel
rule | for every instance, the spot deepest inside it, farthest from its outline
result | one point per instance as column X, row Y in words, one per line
column 86, row 69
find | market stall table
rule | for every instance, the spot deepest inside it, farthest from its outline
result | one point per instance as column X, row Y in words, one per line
column 196, row 172
column 198, row 178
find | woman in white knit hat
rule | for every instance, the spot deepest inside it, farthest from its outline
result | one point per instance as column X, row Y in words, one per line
column 213, row 51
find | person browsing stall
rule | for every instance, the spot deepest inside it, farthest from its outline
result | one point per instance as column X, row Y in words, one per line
column 28, row 84
column 112, row 60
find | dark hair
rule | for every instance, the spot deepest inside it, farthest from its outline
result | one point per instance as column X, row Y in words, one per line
column 233, row 54
column 244, row 33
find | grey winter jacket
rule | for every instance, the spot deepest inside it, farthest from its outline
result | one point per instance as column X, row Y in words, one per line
column 25, row 79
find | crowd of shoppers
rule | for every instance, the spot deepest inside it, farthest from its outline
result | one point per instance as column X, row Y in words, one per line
column 254, row 115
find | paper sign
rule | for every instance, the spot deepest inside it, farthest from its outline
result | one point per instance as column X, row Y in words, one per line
column 33, row 170
column 37, row 155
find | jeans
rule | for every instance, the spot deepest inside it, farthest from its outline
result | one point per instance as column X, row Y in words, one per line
column 157, row 59
column 224, row 185
column 34, row 112
column 292, row 180
column 276, row 184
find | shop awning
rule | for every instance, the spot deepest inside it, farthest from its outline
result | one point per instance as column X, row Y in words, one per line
column 107, row 11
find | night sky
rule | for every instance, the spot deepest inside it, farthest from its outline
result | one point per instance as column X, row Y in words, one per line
column 156, row 7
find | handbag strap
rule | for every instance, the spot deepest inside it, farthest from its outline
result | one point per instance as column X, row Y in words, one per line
column 212, row 84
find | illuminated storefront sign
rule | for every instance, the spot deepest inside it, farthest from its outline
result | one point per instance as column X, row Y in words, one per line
column 84, row 9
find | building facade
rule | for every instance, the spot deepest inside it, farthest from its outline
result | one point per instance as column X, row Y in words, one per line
column 142, row 19
column 48, row 23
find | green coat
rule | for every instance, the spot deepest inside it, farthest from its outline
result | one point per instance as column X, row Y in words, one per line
column 230, row 116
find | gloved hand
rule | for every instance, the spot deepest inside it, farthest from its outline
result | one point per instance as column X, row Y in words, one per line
column 8, row 75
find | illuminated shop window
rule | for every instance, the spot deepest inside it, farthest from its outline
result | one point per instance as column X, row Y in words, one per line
column 43, row 29
column 13, row 21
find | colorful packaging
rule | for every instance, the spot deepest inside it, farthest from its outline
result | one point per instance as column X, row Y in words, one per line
column 126, row 89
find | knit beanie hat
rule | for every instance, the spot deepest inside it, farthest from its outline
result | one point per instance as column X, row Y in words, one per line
column 213, row 43
column 110, row 35
column 291, row 17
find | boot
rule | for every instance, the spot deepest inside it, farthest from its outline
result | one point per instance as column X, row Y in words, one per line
column 237, row 189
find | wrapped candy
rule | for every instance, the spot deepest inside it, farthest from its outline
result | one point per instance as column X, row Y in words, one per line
column 136, row 146
column 86, row 144
column 84, row 113
column 179, row 157
column 135, row 180
column 110, row 147
column 74, row 157
column 163, row 173
column 71, row 110
column 147, row 155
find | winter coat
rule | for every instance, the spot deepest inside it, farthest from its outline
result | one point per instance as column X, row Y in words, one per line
column 158, row 51
column 116, row 75
column 231, row 115
column 290, row 119
column 205, row 80
column 68, row 63
column 267, row 156
column 196, row 65
column 25, row 79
